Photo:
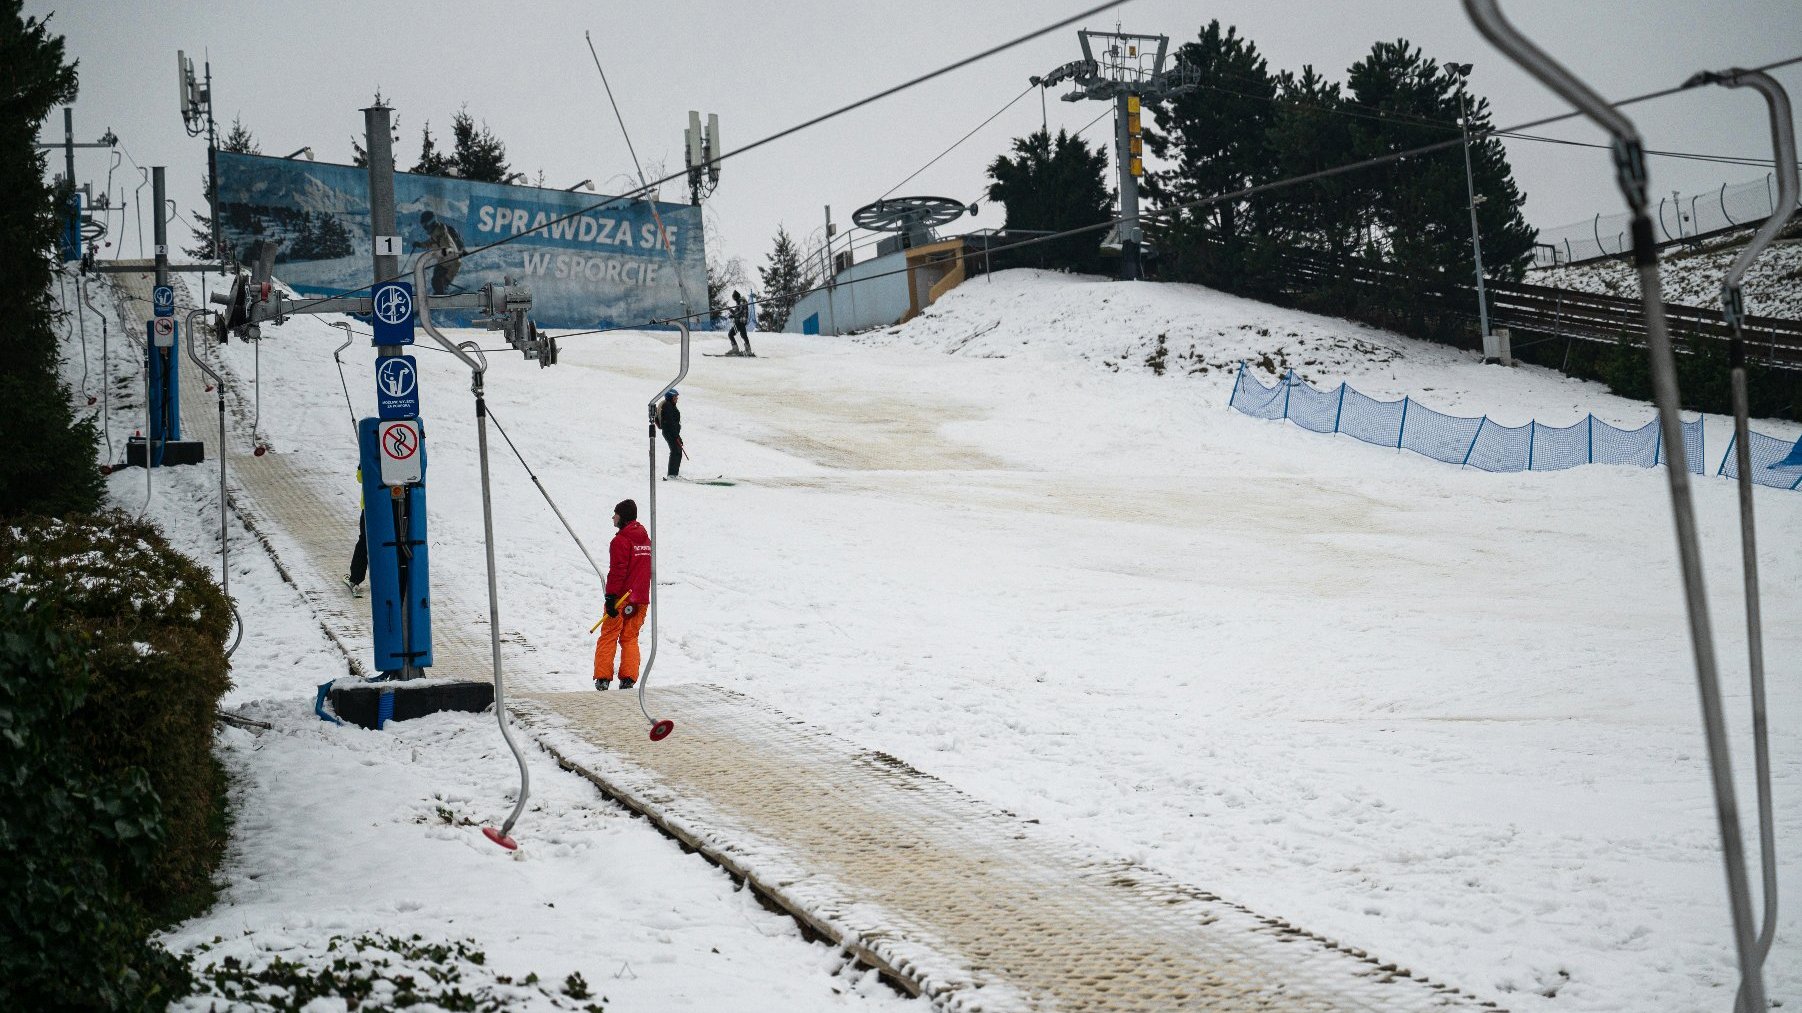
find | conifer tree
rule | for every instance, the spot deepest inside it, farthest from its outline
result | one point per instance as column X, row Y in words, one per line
column 50, row 466
column 1420, row 206
column 433, row 162
column 783, row 282
column 1216, row 137
column 479, row 155
column 1051, row 186
column 207, row 241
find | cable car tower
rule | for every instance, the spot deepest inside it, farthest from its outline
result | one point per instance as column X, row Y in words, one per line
column 1128, row 69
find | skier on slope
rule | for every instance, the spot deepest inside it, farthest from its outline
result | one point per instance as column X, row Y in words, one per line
column 628, row 592
column 741, row 317
column 669, row 420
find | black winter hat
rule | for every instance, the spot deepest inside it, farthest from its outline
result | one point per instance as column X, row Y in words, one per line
column 627, row 510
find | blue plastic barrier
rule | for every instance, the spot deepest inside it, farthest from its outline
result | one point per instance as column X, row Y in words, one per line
column 1484, row 443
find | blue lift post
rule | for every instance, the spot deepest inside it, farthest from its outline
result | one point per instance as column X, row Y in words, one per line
column 162, row 443
column 394, row 522
column 394, row 511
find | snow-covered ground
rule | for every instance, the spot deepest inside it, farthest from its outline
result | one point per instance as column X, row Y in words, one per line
column 340, row 832
column 1772, row 287
column 1444, row 716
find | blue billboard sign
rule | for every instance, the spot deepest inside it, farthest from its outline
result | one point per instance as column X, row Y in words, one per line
column 397, row 387
column 590, row 261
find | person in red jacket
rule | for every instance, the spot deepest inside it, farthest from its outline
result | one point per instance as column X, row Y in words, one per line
column 628, row 596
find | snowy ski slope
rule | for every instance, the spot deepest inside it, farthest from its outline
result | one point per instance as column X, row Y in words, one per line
column 1443, row 715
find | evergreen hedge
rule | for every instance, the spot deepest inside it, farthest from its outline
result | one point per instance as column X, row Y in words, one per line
column 110, row 675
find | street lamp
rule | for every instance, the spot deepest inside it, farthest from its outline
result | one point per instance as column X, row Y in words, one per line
column 585, row 184
column 1462, row 72
column 511, row 177
column 304, row 151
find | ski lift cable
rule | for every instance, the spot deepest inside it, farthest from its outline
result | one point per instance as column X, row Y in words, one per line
column 1423, row 121
column 754, row 145
column 1630, row 175
column 1244, row 192
column 547, row 496
column 960, row 140
column 656, row 216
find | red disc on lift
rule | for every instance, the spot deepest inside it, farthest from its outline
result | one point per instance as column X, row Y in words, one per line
column 661, row 730
column 501, row 839
column 92, row 398
column 260, row 451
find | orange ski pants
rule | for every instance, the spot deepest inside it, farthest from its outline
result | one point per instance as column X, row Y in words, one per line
column 619, row 634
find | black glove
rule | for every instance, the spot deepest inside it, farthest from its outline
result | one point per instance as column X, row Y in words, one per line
column 613, row 606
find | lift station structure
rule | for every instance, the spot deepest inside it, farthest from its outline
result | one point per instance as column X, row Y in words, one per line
column 1127, row 69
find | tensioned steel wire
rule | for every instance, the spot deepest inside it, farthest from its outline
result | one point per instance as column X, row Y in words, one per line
column 754, row 145
column 1240, row 194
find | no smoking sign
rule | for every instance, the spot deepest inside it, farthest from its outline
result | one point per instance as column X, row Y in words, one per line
column 402, row 452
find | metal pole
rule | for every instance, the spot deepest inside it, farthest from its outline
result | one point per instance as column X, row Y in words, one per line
column 1129, row 193
column 1783, row 143
column 1630, row 171
column 69, row 144
column 378, row 140
column 160, row 225
column 472, row 357
column 1470, row 185
column 212, row 171
column 651, row 414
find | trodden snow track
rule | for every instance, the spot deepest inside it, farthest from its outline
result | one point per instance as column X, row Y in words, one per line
column 955, row 900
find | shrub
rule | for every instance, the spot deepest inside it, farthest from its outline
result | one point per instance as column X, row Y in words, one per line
column 154, row 625
column 70, row 936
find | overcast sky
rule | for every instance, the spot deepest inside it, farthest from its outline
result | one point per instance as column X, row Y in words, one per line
column 298, row 71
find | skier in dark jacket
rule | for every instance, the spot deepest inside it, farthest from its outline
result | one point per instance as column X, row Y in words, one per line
column 669, row 420
column 741, row 317
column 628, row 596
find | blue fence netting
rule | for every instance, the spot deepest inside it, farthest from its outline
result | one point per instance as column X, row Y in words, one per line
column 1486, row 444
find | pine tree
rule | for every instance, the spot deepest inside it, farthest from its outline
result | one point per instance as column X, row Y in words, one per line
column 51, row 465
column 1216, row 135
column 433, row 162
column 1420, row 206
column 479, row 155
column 1052, row 186
column 208, row 243
column 1313, row 129
column 783, row 283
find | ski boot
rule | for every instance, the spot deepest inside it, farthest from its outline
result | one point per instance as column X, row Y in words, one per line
column 625, row 683
column 356, row 590
column 603, row 684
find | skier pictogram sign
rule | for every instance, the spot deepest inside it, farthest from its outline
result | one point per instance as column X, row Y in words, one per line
column 392, row 306
column 400, row 442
